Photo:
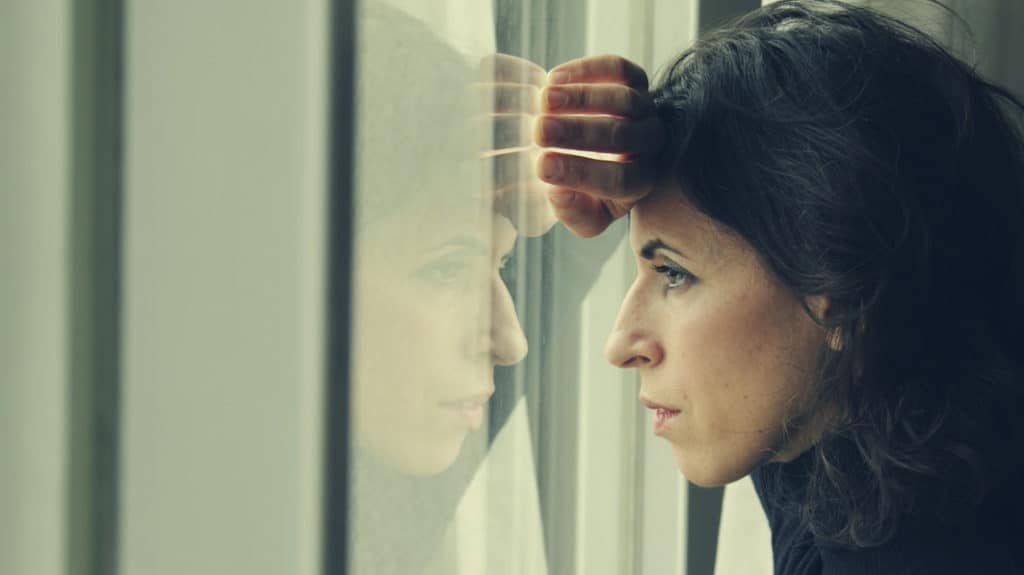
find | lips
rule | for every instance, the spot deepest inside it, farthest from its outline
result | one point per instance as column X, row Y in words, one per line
column 468, row 401
column 468, row 410
column 662, row 416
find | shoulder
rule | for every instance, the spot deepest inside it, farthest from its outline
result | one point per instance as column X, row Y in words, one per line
column 990, row 542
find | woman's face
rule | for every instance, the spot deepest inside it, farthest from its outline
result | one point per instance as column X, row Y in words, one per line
column 433, row 318
column 725, row 352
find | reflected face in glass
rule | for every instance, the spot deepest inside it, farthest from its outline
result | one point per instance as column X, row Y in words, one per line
column 725, row 352
column 433, row 318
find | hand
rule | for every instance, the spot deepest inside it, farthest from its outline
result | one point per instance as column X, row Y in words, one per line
column 597, row 108
column 510, row 89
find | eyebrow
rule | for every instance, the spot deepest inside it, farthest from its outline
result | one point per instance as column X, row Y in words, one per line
column 647, row 252
column 464, row 242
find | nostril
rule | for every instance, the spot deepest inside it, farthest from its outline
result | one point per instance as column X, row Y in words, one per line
column 636, row 361
column 633, row 352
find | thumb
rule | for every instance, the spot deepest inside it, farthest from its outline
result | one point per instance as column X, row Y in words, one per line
column 584, row 215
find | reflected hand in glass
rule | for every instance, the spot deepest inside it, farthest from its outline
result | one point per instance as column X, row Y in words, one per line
column 510, row 97
column 433, row 315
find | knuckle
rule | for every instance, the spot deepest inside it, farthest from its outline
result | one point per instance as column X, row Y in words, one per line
column 637, row 104
column 627, row 179
column 620, row 66
column 573, row 170
column 635, row 178
column 624, row 100
column 528, row 99
column 617, row 177
column 584, row 98
column 616, row 135
column 573, row 131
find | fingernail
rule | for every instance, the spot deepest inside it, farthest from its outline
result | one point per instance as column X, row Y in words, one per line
column 558, row 77
column 551, row 168
column 561, row 197
column 551, row 131
column 557, row 99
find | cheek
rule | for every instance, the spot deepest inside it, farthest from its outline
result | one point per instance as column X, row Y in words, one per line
column 754, row 350
column 416, row 345
column 730, row 369
column 743, row 365
column 416, row 324
column 392, row 364
column 405, row 354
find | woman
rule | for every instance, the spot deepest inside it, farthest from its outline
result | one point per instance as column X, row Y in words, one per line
column 826, row 210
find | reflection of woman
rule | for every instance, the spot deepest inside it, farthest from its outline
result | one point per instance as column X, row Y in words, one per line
column 432, row 315
column 429, row 342
column 830, row 256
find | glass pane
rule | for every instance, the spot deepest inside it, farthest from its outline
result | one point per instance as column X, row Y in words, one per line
column 472, row 455
column 432, row 489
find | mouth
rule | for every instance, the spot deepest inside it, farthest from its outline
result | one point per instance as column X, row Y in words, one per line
column 663, row 415
column 469, row 409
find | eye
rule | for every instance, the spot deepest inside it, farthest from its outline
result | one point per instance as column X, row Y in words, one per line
column 444, row 272
column 675, row 277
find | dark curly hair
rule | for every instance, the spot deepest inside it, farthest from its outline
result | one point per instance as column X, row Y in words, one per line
column 865, row 163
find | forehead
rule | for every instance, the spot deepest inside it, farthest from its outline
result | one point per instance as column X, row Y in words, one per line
column 668, row 215
column 414, row 232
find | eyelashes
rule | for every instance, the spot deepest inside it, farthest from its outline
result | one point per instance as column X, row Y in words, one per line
column 460, row 271
column 444, row 272
column 675, row 277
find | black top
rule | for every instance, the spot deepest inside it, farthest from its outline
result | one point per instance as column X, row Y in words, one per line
column 990, row 544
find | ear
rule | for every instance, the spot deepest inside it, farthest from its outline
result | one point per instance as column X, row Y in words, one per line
column 819, row 304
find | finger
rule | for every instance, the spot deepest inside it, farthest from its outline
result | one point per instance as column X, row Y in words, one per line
column 600, row 134
column 509, row 169
column 510, row 131
column 596, row 69
column 611, row 99
column 585, row 216
column 510, row 98
column 619, row 181
column 505, row 68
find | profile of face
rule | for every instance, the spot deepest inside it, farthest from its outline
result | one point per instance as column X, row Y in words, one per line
column 432, row 317
column 725, row 353
column 433, row 320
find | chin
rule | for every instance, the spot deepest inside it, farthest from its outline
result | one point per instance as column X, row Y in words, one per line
column 425, row 460
column 709, row 472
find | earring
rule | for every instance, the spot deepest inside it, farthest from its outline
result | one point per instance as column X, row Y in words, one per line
column 835, row 339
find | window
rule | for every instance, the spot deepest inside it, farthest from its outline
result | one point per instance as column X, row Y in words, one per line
column 555, row 473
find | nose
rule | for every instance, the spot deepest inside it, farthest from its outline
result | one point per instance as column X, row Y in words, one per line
column 631, row 342
column 508, row 343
